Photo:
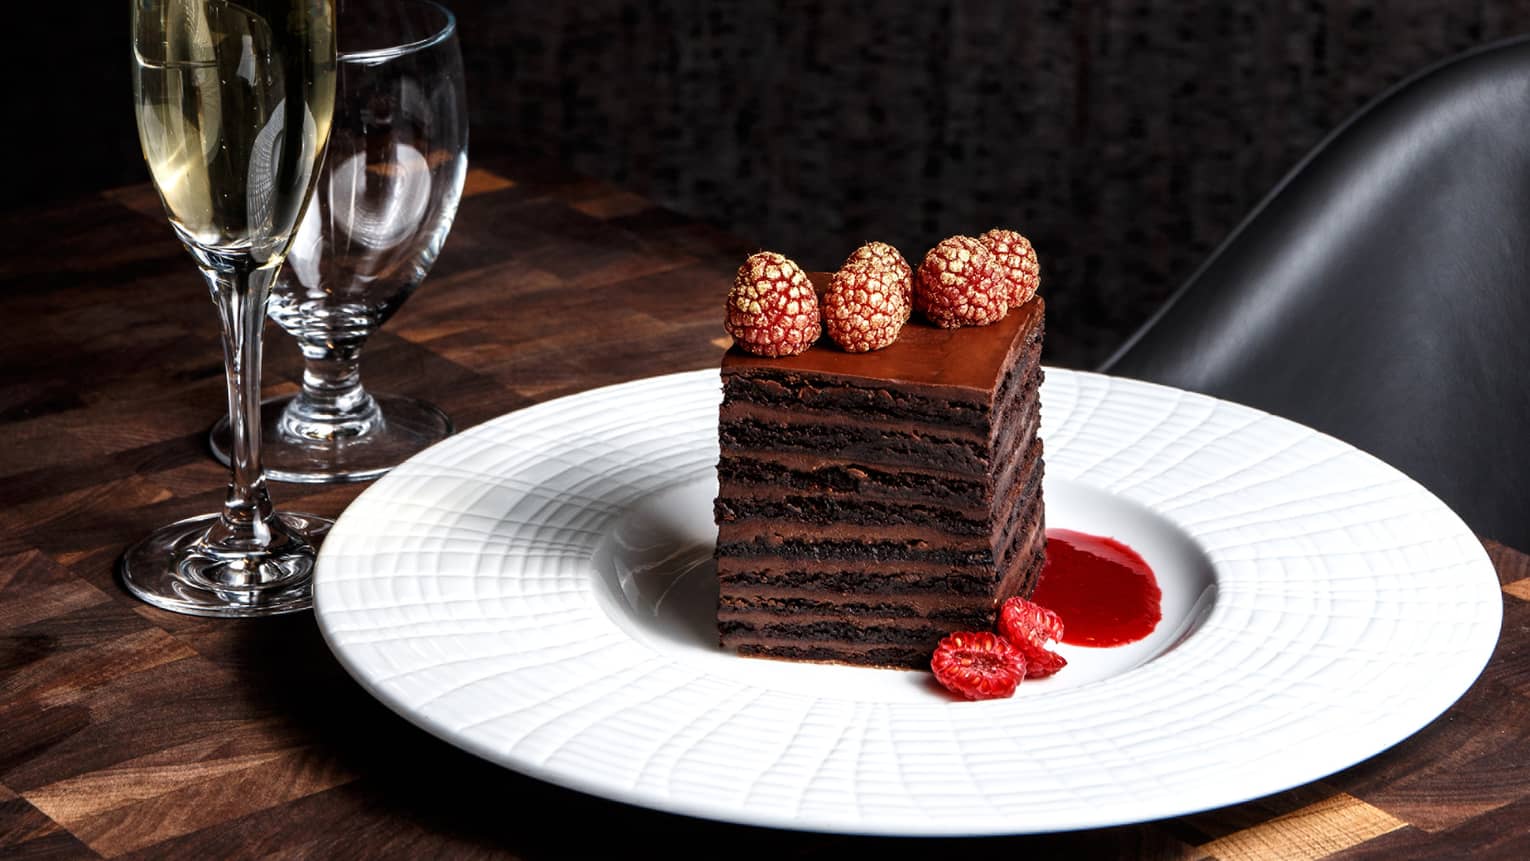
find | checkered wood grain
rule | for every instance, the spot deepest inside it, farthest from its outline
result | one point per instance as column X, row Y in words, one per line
column 126, row 731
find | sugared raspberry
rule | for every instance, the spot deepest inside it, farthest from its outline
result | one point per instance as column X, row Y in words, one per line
column 865, row 306
column 1017, row 260
column 978, row 665
column 1028, row 626
column 886, row 258
column 772, row 309
column 959, row 284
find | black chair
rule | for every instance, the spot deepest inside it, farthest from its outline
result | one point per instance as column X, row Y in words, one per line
column 1381, row 292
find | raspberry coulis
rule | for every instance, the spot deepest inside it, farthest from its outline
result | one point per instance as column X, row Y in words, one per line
column 1103, row 590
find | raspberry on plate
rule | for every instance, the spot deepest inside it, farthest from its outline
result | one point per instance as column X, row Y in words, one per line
column 978, row 665
column 772, row 309
column 866, row 305
column 1041, row 662
column 1017, row 260
column 1028, row 626
column 960, row 284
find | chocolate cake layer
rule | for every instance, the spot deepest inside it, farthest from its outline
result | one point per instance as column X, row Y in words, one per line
column 774, row 476
column 908, row 657
column 871, row 504
column 743, row 524
column 920, row 597
column 795, row 392
column 803, row 399
column 813, row 510
column 745, row 425
column 805, row 597
column 769, row 627
column 755, row 472
column 844, row 578
column 765, row 505
column 916, row 632
column 920, row 585
column 751, row 472
column 855, row 443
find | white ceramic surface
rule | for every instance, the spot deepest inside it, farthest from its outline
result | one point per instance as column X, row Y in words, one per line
column 538, row 591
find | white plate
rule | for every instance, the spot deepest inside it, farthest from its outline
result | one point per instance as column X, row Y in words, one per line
column 538, row 591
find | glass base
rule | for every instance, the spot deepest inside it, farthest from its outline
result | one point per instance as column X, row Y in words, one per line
column 408, row 426
column 172, row 569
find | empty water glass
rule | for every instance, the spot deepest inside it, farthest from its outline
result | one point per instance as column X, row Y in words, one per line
column 383, row 205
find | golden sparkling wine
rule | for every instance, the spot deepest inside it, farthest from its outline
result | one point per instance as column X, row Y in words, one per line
column 234, row 102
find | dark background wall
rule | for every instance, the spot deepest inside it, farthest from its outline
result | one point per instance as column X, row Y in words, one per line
column 1125, row 137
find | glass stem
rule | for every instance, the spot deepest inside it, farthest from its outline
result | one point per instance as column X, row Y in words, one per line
column 332, row 405
column 247, row 523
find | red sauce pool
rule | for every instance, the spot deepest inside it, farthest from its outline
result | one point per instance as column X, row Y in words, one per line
column 1104, row 592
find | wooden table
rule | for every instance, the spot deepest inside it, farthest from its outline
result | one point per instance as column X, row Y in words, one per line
column 128, row 731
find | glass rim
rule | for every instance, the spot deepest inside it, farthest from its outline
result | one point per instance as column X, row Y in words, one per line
column 391, row 51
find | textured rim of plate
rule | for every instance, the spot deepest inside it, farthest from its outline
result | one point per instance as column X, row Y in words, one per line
column 1353, row 607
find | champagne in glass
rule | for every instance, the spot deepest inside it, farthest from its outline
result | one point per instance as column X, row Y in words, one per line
column 234, row 103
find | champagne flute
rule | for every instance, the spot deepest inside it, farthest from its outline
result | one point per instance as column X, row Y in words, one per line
column 234, row 101
column 384, row 202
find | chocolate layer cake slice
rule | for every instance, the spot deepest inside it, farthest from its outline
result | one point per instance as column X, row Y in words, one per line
column 871, row 503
